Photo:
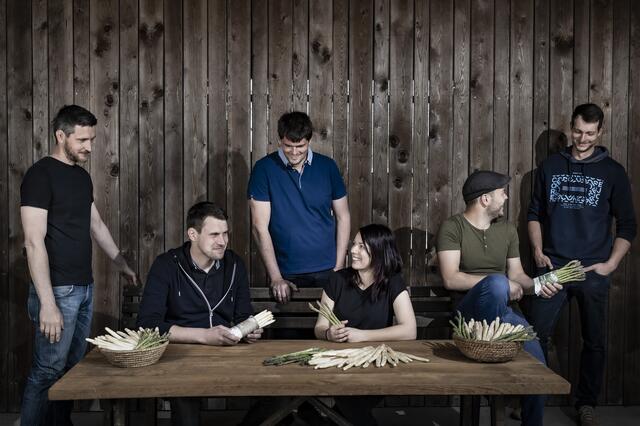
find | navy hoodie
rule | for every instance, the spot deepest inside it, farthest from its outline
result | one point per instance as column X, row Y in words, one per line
column 575, row 202
column 177, row 292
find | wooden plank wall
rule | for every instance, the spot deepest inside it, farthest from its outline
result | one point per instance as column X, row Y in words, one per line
column 408, row 96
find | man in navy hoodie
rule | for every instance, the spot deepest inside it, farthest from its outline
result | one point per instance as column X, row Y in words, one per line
column 197, row 292
column 577, row 193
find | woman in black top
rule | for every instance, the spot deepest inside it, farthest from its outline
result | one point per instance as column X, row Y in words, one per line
column 367, row 295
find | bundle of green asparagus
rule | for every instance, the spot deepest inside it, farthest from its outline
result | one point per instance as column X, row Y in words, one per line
column 326, row 312
column 144, row 338
column 495, row 332
column 300, row 357
column 572, row 271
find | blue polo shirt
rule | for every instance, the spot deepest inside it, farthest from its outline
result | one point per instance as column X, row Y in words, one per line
column 302, row 226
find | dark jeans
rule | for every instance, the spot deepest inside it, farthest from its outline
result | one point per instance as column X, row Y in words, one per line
column 52, row 360
column 185, row 411
column 310, row 279
column 490, row 299
column 592, row 296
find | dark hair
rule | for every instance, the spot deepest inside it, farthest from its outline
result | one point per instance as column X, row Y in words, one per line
column 385, row 259
column 202, row 210
column 70, row 116
column 590, row 113
column 295, row 126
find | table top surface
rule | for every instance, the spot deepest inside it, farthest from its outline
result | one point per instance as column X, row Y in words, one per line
column 197, row 370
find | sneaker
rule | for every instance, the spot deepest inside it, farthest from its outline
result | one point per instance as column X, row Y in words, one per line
column 587, row 415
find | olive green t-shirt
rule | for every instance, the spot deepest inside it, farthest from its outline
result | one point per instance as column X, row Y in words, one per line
column 481, row 251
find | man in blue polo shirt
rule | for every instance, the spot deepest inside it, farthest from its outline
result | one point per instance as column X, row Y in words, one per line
column 299, row 208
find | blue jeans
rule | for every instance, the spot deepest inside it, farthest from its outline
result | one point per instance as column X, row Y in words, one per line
column 309, row 279
column 489, row 299
column 592, row 296
column 52, row 360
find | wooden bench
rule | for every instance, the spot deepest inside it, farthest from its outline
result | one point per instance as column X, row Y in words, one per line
column 432, row 307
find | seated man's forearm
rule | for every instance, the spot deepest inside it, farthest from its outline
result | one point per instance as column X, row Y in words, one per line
column 179, row 334
column 461, row 281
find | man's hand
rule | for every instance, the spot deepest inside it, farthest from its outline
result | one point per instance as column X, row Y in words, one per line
column 337, row 333
column 124, row 268
column 542, row 260
column 219, row 336
column 604, row 269
column 253, row 336
column 282, row 290
column 51, row 322
column 549, row 289
column 515, row 290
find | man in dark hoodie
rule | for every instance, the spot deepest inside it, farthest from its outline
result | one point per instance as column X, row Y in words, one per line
column 196, row 292
column 576, row 194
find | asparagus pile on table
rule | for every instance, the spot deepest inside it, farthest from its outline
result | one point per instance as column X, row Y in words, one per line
column 346, row 358
column 144, row 338
column 495, row 332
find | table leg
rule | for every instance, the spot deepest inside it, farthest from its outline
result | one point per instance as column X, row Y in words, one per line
column 284, row 411
column 469, row 410
column 497, row 411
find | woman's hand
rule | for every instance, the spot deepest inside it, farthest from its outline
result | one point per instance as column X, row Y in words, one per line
column 355, row 335
column 337, row 333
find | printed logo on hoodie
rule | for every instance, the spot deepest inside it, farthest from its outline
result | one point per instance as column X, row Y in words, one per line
column 575, row 191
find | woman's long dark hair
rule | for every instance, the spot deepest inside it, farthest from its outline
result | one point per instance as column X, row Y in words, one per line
column 385, row 259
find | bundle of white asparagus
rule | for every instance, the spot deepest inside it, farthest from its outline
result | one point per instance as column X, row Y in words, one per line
column 361, row 357
column 496, row 331
column 128, row 340
column 253, row 323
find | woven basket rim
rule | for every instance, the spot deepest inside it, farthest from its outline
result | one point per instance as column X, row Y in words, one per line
column 134, row 351
column 485, row 342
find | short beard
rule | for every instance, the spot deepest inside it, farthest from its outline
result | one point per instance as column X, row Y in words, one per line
column 71, row 156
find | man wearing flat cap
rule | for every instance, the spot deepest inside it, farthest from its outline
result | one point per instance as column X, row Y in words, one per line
column 480, row 263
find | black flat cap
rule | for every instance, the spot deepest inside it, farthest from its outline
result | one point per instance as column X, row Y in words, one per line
column 482, row 181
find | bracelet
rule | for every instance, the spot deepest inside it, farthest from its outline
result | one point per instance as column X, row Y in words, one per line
column 326, row 334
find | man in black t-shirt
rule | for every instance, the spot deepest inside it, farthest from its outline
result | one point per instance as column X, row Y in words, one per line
column 59, row 218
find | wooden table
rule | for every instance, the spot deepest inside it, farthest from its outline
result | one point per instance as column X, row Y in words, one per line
column 196, row 370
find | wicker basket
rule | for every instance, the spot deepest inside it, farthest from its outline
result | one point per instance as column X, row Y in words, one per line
column 135, row 358
column 488, row 351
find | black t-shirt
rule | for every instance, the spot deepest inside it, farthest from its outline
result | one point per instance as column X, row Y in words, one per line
column 66, row 192
column 354, row 304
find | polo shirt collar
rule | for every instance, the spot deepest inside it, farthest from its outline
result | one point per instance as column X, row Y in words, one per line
column 286, row 162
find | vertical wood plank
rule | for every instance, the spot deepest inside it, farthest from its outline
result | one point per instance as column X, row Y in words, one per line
column 105, row 167
column 300, row 57
column 5, row 341
column 463, row 142
column 195, row 102
column 501, row 86
column 60, row 55
column 521, row 110
column 561, row 68
column 619, row 148
column 260, row 88
column 41, row 63
column 173, row 124
column 400, row 122
column 360, row 76
column 150, row 115
column 19, row 117
column 340, row 88
column 582, row 13
column 632, row 338
column 481, row 86
column 421, row 235
column 239, row 56
column 441, row 69
column 320, row 74
column 218, row 164
column 280, row 65
column 380, row 185
column 129, row 137
column 600, row 62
